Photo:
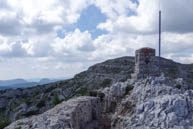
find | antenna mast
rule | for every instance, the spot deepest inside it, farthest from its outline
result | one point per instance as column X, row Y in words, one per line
column 159, row 38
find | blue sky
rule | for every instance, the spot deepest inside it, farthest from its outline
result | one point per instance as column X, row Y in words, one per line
column 135, row 1
column 59, row 38
column 88, row 21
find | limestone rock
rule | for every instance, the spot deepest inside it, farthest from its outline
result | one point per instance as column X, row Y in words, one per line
column 80, row 113
column 157, row 105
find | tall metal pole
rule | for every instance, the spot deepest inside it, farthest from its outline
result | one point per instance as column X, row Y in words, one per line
column 159, row 40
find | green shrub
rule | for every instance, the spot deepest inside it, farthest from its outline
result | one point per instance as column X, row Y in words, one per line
column 106, row 83
column 189, row 81
column 97, row 94
column 179, row 86
column 30, row 113
column 93, row 93
column 56, row 99
column 128, row 89
column 18, row 127
column 13, row 106
column 20, row 123
column 83, row 92
column 4, row 121
column 3, row 124
column 49, row 89
column 41, row 103
column 28, row 101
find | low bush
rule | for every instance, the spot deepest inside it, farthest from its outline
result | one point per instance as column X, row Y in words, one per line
column 3, row 124
column 30, row 113
column 83, row 92
column 18, row 127
column 56, row 99
column 4, row 121
column 178, row 86
column 97, row 94
column 41, row 103
column 128, row 89
column 49, row 89
column 106, row 83
column 93, row 93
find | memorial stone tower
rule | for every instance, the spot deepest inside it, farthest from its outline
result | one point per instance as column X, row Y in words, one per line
column 144, row 63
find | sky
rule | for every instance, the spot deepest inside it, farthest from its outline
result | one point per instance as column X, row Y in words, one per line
column 60, row 38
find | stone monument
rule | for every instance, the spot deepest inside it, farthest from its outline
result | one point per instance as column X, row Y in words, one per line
column 144, row 63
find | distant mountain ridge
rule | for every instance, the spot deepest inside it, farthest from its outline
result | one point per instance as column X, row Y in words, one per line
column 22, row 83
column 12, row 82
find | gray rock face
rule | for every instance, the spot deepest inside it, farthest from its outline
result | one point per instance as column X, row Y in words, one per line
column 80, row 113
column 156, row 106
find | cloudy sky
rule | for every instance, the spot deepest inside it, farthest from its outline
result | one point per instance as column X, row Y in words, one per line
column 58, row 38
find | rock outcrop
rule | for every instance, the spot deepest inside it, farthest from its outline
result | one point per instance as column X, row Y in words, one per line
column 80, row 113
column 134, row 104
column 155, row 105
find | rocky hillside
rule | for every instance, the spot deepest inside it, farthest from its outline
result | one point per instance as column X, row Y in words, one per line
column 25, row 102
column 133, row 104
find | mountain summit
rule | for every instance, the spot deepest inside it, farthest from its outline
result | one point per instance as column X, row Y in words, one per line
column 112, row 99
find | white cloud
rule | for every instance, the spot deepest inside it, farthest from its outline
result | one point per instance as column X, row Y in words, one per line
column 28, row 31
column 115, row 8
column 143, row 19
column 175, row 18
column 18, row 17
column 74, row 43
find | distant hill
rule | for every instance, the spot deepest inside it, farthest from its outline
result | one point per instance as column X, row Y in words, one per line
column 12, row 82
column 21, row 83
column 46, row 81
